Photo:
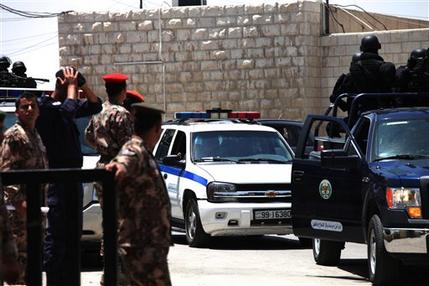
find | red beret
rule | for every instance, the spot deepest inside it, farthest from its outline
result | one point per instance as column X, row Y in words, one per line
column 115, row 78
column 135, row 95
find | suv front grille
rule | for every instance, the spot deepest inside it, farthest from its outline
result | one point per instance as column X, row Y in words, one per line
column 262, row 193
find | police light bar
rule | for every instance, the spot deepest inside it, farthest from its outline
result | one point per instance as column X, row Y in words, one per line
column 188, row 115
column 244, row 114
column 220, row 113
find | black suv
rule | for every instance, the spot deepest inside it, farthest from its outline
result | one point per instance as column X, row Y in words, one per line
column 366, row 180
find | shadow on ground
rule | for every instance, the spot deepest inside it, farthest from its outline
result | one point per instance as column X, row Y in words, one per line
column 267, row 242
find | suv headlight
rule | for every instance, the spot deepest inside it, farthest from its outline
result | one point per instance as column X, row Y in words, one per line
column 221, row 192
column 405, row 198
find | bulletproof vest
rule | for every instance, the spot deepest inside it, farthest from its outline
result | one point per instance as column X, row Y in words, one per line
column 418, row 76
column 6, row 79
column 366, row 75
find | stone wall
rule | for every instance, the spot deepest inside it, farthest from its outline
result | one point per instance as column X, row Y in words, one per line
column 269, row 58
column 263, row 57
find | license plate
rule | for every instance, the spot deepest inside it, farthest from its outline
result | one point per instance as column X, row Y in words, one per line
column 271, row 214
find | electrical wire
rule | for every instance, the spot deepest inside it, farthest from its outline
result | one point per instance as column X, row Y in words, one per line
column 363, row 10
column 31, row 46
column 28, row 37
column 28, row 14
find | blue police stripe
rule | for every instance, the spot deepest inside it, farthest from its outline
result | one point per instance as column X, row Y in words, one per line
column 184, row 174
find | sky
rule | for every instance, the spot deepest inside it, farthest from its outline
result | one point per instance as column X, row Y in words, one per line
column 35, row 41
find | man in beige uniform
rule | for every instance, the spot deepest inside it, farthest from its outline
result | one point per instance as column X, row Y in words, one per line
column 144, row 206
column 22, row 148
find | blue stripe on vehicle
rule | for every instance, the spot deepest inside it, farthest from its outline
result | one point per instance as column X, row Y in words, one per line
column 184, row 174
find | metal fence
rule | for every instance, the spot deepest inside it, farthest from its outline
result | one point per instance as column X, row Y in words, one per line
column 33, row 179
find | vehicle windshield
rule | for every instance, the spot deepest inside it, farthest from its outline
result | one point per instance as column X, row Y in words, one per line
column 239, row 147
column 82, row 123
column 405, row 139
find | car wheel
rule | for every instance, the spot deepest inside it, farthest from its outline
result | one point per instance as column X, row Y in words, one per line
column 195, row 234
column 382, row 267
column 327, row 252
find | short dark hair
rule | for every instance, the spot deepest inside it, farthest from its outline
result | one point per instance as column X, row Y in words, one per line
column 113, row 89
column 144, row 121
column 26, row 95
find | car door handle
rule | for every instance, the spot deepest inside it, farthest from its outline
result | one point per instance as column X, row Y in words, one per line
column 165, row 176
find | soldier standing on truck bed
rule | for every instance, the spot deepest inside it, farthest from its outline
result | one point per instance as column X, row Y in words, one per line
column 414, row 77
column 368, row 72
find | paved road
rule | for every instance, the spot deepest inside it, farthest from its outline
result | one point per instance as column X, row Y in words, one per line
column 269, row 260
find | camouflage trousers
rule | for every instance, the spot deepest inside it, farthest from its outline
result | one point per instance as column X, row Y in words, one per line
column 18, row 225
column 146, row 266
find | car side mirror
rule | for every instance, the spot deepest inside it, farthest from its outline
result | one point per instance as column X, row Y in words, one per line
column 174, row 160
column 339, row 159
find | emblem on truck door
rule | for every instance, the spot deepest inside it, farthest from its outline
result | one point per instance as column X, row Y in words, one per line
column 325, row 189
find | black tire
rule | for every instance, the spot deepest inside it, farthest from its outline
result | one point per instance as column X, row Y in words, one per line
column 195, row 234
column 383, row 269
column 327, row 252
column 305, row 242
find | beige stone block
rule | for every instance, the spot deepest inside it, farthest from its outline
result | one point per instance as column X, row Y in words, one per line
column 267, row 104
column 270, row 30
column 110, row 27
column 206, row 22
column 244, row 20
column 226, row 21
column 153, row 36
column 127, row 26
column 88, row 39
column 183, row 56
column 212, row 11
column 78, row 28
column 246, row 64
column 228, row 64
column 175, row 12
column 201, row 55
column 194, row 106
column 167, row 36
column 94, row 49
column 235, row 32
column 283, row 61
column 183, row 35
column 209, row 45
column 63, row 51
column 399, row 36
column 189, row 23
column 213, row 75
column 213, row 85
column 233, row 75
column 76, row 62
column 391, row 48
column 262, row 19
column 229, row 44
column 407, row 47
column 194, row 87
column 289, row 29
column 174, row 23
column 200, row 34
column 264, row 42
column 219, row 55
column 146, row 25
column 255, row 53
column 91, row 60
column 305, row 29
column 72, row 39
column 217, row 33
column 209, row 65
column 254, row 9
column 256, row 74
column 236, row 53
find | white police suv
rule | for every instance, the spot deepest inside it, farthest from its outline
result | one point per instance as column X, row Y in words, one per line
column 225, row 177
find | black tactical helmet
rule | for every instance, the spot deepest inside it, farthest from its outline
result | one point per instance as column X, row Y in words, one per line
column 415, row 56
column 370, row 44
column 5, row 62
column 418, row 53
column 356, row 57
column 18, row 67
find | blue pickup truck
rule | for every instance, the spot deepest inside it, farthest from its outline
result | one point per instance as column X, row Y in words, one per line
column 366, row 180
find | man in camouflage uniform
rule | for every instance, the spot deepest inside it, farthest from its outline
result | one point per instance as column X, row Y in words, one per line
column 9, row 269
column 22, row 148
column 108, row 130
column 144, row 208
